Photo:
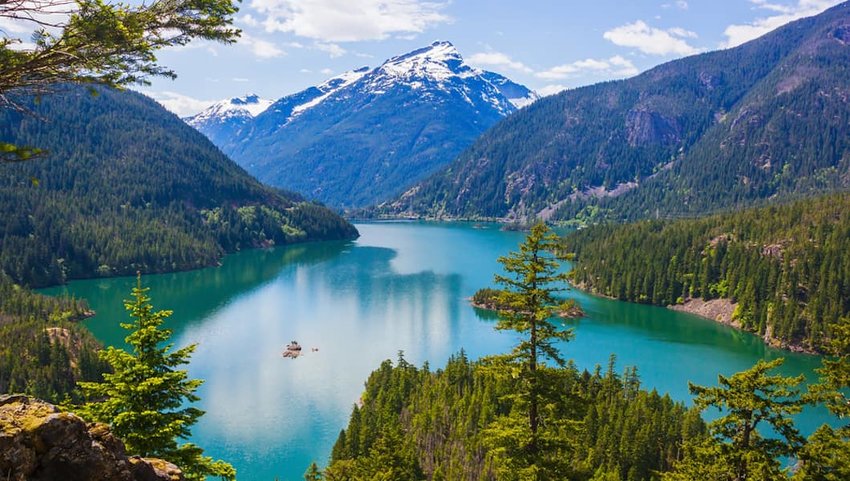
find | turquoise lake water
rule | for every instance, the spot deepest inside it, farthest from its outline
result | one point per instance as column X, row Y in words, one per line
column 401, row 286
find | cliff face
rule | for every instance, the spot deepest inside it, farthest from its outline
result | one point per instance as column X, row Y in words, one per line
column 40, row 443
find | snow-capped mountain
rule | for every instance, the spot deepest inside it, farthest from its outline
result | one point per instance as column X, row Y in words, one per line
column 223, row 120
column 367, row 134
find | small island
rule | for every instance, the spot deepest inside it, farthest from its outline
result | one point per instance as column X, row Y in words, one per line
column 488, row 300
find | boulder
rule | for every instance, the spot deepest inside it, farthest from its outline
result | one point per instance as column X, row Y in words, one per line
column 38, row 442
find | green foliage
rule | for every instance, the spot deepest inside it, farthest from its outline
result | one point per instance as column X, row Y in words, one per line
column 103, row 42
column 787, row 266
column 129, row 187
column 146, row 399
column 439, row 425
column 487, row 298
column 43, row 351
column 737, row 450
column 313, row 473
column 826, row 457
column 530, row 449
column 717, row 130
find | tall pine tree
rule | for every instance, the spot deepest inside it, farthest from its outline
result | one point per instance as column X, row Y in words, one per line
column 527, row 305
column 144, row 399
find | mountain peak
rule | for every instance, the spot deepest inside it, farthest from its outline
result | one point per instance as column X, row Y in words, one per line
column 246, row 100
column 439, row 61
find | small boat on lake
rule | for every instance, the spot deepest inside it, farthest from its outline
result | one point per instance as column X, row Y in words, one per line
column 293, row 350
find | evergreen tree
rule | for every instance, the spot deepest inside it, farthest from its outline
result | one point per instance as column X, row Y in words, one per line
column 524, row 443
column 144, row 399
column 736, row 450
column 527, row 306
column 826, row 456
column 313, row 473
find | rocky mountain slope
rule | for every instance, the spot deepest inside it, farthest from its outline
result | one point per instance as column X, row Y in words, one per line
column 368, row 134
column 767, row 119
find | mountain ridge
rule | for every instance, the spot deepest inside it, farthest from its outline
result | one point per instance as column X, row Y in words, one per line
column 664, row 140
column 345, row 141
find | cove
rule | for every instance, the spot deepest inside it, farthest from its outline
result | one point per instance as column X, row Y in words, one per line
column 401, row 286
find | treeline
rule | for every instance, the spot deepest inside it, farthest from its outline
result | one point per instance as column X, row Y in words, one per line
column 413, row 423
column 786, row 267
column 43, row 351
column 125, row 186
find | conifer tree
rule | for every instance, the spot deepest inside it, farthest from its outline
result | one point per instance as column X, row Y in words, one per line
column 313, row 473
column 527, row 305
column 826, row 456
column 528, row 443
column 736, row 450
column 144, row 399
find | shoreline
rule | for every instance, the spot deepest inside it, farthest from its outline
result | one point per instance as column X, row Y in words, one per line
column 715, row 310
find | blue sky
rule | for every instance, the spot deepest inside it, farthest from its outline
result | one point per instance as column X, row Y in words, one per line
column 548, row 45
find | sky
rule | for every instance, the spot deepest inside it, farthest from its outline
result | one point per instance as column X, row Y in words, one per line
column 547, row 45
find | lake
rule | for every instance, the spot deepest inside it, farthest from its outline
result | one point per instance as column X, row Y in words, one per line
column 401, row 286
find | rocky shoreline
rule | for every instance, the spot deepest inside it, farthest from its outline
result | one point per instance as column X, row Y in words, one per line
column 717, row 310
column 721, row 310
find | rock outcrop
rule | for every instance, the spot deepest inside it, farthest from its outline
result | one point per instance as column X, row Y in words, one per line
column 38, row 442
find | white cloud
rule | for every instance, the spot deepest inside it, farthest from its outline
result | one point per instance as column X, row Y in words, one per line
column 240, row 79
column 331, row 49
column 305, row 70
column 551, row 90
column 261, row 48
column 248, row 20
column 497, row 59
column 350, row 20
column 180, row 104
column 680, row 4
column 741, row 33
column 614, row 67
column 326, row 71
column 654, row 41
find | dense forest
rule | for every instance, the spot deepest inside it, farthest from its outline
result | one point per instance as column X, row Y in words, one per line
column 786, row 267
column 413, row 423
column 43, row 350
column 125, row 186
column 728, row 128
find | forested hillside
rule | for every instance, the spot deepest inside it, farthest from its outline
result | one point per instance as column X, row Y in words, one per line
column 126, row 186
column 768, row 118
column 416, row 424
column 43, row 351
column 786, row 267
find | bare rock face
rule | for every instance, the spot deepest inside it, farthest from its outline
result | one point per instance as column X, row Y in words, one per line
column 40, row 443
column 645, row 127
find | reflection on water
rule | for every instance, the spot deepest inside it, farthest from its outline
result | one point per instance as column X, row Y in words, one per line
column 402, row 286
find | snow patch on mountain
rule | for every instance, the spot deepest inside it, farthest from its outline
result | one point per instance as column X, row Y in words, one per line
column 329, row 88
column 238, row 107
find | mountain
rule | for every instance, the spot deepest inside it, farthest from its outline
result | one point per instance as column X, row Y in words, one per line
column 767, row 119
column 223, row 120
column 127, row 186
column 368, row 134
